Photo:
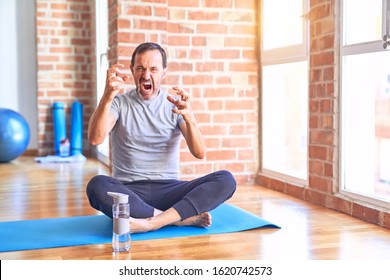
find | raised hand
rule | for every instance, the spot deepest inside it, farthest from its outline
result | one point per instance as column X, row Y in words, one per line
column 115, row 81
column 183, row 106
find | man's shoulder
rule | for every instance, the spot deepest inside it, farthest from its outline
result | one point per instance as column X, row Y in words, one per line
column 123, row 98
column 127, row 95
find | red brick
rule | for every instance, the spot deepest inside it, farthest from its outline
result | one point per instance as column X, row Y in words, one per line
column 316, row 167
column 321, row 137
column 198, row 40
column 234, row 167
column 320, row 183
column 209, row 66
column 243, row 66
column 203, row 15
column 236, row 142
column 244, row 29
column 315, row 197
column 248, row 42
column 221, row 155
column 326, row 122
column 277, row 185
column 214, row 129
column 181, row 3
column 63, row 15
column 123, row 23
column 145, row 24
column 263, row 180
column 218, row 3
column 249, row 4
column 246, row 154
column 160, row 11
column 241, row 105
column 48, row 58
column 339, row 204
column 296, row 191
column 243, row 130
column 386, row 220
column 219, row 92
column 322, row 59
column 56, row 6
column 212, row 28
column 365, row 213
column 228, row 118
column 195, row 54
column 250, row 54
column 314, row 121
column 133, row 9
column 178, row 40
column 320, row 11
column 317, row 152
column 326, row 106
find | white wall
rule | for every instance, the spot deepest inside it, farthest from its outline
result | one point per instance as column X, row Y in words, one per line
column 18, row 75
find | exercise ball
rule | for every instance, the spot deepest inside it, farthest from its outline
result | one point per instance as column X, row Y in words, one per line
column 14, row 135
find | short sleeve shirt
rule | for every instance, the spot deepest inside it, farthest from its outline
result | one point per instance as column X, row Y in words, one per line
column 146, row 137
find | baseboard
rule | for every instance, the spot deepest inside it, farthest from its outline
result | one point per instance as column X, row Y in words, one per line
column 31, row 153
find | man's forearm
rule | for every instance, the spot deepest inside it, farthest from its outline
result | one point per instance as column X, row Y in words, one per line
column 194, row 139
column 99, row 125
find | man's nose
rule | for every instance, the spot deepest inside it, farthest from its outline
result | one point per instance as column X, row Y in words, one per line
column 146, row 74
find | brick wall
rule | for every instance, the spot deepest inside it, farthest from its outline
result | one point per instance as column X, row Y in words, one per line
column 211, row 48
column 63, row 62
column 323, row 149
column 212, row 53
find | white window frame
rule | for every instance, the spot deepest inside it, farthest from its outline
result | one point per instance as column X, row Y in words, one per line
column 353, row 49
column 283, row 55
column 291, row 53
column 101, row 35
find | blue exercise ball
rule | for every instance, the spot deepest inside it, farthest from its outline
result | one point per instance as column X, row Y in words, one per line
column 14, row 135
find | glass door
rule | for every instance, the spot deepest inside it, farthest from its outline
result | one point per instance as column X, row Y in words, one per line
column 365, row 96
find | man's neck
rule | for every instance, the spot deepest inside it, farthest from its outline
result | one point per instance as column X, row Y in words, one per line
column 148, row 97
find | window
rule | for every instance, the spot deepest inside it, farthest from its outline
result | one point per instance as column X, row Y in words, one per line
column 285, row 88
column 365, row 96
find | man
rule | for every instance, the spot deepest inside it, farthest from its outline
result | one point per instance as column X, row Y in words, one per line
column 146, row 127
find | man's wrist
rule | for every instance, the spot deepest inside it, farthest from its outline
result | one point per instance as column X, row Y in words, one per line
column 190, row 119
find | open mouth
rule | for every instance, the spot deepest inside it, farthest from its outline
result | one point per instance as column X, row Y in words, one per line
column 147, row 86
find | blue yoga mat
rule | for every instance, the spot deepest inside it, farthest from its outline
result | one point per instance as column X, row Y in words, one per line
column 88, row 230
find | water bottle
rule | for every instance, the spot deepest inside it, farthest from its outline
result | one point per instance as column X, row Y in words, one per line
column 64, row 147
column 121, row 222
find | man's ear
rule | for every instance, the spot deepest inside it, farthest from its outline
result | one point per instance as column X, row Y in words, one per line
column 164, row 72
column 131, row 69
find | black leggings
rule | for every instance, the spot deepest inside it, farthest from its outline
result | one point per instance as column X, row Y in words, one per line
column 189, row 198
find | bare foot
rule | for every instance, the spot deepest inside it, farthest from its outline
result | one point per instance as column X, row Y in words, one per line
column 141, row 225
column 202, row 220
column 165, row 218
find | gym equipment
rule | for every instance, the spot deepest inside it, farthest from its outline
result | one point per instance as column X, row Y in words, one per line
column 59, row 123
column 14, row 135
column 76, row 129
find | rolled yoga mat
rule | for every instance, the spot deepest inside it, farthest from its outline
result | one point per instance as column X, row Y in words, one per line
column 76, row 129
column 88, row 230
column 59, row 124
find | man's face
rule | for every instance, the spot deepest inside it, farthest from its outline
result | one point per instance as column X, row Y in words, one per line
column 148, row 73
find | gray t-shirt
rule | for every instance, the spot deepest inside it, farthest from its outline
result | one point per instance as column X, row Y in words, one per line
column 146, row 138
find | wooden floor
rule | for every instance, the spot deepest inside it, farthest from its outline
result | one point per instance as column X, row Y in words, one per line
column 30, row 190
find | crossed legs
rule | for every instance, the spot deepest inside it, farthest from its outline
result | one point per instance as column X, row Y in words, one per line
column 169, row 217
column 157, row 203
